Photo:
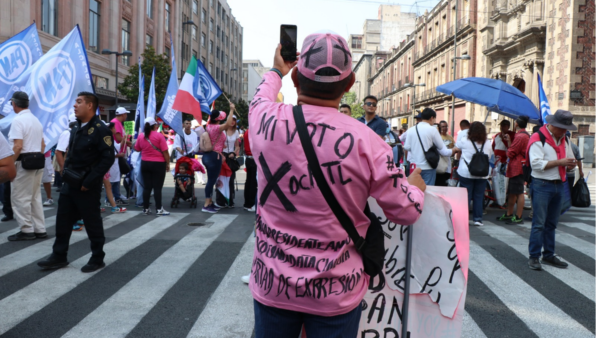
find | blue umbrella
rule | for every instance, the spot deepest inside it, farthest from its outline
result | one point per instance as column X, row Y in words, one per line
column 498, row 96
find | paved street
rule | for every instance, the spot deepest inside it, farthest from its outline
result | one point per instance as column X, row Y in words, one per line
column 165, row 278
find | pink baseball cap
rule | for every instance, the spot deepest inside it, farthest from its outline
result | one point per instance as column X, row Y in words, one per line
column 321, row 50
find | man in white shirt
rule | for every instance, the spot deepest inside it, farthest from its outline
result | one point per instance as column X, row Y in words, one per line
column 420, row 139
column 26, row 137
column 407, row 156
column 464, row 130
column 190, row 144
column 550, row 158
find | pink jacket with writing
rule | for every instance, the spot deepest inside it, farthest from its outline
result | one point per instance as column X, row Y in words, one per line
column 303, row 258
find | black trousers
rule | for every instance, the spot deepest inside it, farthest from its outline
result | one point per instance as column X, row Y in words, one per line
column 220, row 198
column 6, row 205
column 251, row 185
column 154, row 179
column 440, row 179
column 73, row 206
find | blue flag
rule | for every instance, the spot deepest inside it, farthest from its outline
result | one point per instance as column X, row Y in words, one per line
column 52, row 84
column 16, row 55
column 151, row 112
column 206, row 90
column 139, row 123
column 544, row 105
column 170, row 116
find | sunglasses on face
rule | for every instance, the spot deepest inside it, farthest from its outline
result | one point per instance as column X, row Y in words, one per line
column 371, row 104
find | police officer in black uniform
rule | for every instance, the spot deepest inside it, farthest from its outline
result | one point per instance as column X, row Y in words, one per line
column 90, row 156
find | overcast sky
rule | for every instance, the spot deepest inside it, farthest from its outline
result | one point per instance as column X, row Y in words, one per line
column 261, row 20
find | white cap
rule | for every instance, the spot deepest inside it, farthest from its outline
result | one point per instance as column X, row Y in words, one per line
column 150, row 120
column 72, row 118
column 121, row 111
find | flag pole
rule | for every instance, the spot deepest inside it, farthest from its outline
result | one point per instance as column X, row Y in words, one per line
column 235, row 110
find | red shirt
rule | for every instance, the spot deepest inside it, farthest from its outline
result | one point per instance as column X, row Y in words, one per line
column 516, row 153
column 500, row 148
column 247, row 143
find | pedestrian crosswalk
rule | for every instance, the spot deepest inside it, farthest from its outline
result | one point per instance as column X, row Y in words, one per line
column 166, row 279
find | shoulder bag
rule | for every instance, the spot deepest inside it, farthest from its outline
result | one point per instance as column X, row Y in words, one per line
column 431, row 155
column 372, row 246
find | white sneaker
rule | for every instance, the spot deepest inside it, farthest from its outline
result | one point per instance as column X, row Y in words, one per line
column 253, row 209
column 246, row 279
column 478, row 224
column 162, row 212
column 48, row 202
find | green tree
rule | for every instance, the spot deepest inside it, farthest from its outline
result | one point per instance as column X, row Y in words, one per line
column 349, row 98
column 150, row 60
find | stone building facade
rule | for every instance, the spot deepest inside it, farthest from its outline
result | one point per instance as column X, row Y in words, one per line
column 552, row 38
column 433, row 58
column 390, row 75
column 215, row 38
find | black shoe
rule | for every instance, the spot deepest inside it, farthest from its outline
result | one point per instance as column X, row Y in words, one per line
column 91, row 267
column 555, row 261
column 21, row 236
column 6, row 219
column 52, row 263
column 534, row 264
column 41, row 235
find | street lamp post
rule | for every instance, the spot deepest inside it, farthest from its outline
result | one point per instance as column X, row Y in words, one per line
column 189, row 22
column 231, row 70
column 414, row 87
column 463, row 57
column 125, row 53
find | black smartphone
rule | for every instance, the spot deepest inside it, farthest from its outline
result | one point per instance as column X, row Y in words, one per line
column 288, row 38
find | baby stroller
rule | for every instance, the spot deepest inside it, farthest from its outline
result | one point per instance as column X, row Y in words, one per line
column 188, row 177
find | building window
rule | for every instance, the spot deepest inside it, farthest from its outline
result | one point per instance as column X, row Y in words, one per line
column 211, row 68
column 49, row 23
column 226, row 79
column 100, row 82
column 168, row 52
column 203, row 16
column 148, row 40
column 218, row 53
column 357, row 42
column 203, row 60
column 223, row 56
column 583, row 129
column 167, row 17
column 195, row 6
column 149, row 8
column 218, row 31
column 217, row 73
column 125, row 29
column 94, row 26
column 212, row 22
column 212, row 3
column 195, row 54
column 219, row 8
column 210, row 46
column 203, row 40
column 222, row 78
column 193, row 32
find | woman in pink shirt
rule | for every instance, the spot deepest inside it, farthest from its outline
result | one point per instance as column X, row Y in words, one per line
column 155, row 164
column 213, row 160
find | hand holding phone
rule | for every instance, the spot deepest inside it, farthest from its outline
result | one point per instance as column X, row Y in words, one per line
column 288, row 39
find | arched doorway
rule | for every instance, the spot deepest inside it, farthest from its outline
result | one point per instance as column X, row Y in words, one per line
column 519, row 84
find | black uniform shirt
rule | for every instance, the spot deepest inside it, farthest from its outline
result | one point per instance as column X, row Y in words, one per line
column 91, row 149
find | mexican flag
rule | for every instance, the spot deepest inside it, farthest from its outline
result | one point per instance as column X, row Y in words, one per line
column 223, row 181
column 185, row 100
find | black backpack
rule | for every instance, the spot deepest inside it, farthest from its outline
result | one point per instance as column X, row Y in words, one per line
column 480, row 163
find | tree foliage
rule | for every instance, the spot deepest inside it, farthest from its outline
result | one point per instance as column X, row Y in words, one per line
column 350, row 99
column 150, row 60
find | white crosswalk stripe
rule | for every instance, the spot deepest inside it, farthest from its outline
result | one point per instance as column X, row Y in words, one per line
column 573, row 276
column 50, row 223
column 227, row 309
column 149, row 285
column 44, row 291
column 540, row 315
column 44, row 248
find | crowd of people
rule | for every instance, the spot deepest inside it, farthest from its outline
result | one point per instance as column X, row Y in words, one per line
column 361, row 158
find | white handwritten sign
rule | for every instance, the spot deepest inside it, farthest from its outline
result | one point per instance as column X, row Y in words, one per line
column 438, row 271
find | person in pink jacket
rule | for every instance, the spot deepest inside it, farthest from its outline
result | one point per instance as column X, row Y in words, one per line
column 306, row 270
